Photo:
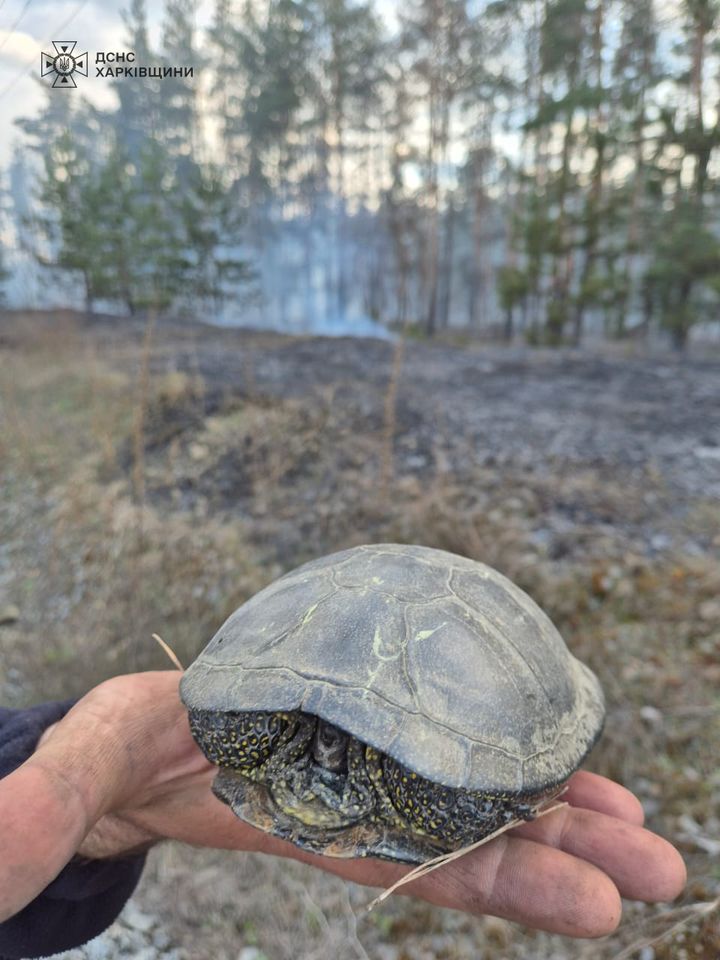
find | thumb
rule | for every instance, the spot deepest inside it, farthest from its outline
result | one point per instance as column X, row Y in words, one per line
column 48, row 805
column 42, row 823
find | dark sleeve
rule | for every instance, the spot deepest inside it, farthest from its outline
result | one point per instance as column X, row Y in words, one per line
column 87, row 895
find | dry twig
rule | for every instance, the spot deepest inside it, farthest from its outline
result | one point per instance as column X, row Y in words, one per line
column 387, row 466
column 681, row 916
column 170, row 652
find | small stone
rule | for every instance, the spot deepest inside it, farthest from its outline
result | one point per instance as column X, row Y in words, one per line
column 98, row 949
column 708, row 610
column 161, row 939
column 137, row 919
column 9, row 614
column 386, row 951
column 251, row 953
column 147, row 953
column 707, row 452
column 651, row 715
column 660, row 541
column 197, row 451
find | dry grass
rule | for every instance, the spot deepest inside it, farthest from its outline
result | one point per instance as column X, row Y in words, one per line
column 228, row 501
column 104, row 571
column 390, row 420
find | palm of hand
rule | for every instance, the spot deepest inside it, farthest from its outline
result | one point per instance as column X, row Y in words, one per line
column 121, row 771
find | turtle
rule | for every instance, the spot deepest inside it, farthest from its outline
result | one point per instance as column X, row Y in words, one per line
column 390, row 700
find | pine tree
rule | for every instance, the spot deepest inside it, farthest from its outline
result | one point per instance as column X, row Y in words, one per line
column 489, row 88
column 399, row 208
column 527, row 225
column 563, row 47
column 160, row 252
column 685, row 233
column 178, row 113
column 436, row 35
column 5, row 208
column 4, row 272
column 68, row 222
column 226, row 89
column 635, row 73
column 597, row 141
column 137, row 120
column 349, row 35
column 275, row 58
column 111, row 193
column 212, row 229
column 683, row 279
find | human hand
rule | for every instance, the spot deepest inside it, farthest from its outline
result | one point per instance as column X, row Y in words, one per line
column 120, row 771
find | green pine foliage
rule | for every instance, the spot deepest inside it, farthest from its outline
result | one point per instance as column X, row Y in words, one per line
column 546, row 166
column 4, row 272
column 683, row 279
column 123, row 204
column 68, row 218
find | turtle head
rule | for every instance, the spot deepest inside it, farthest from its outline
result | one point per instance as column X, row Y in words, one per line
column 329, row 747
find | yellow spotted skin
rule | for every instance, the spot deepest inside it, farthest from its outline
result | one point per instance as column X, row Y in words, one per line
column 455, row 816
column 347, row 797
column 243, row 741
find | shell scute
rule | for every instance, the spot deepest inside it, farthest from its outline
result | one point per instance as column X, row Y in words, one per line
column 403, row 579
column 437, row 660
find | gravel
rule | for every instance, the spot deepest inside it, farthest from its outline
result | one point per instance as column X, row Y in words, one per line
column 135, row 935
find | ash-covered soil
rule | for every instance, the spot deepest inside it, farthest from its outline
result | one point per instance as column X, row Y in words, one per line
column 496, row 405
column 603, row 439
column 626, row 408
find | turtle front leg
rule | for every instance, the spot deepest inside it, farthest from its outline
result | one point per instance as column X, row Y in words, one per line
column 349, row 795
column 318, row 797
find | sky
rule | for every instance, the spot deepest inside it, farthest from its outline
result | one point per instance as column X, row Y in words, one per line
column 28, row 27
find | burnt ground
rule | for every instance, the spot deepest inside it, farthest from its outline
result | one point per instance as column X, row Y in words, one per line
column 646, row 426
column 492, row 406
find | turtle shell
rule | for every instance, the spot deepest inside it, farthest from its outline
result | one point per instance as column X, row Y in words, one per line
column 437, row 660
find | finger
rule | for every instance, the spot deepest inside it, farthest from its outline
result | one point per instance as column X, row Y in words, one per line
column 512, row 878
column 86, row 750
column 112, row 741
column 50, row 802
column 593, row 792
column 532, row 884
column 641, row 864
column 43, row 821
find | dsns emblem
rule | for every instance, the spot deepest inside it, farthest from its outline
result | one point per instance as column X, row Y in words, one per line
column 64, row 63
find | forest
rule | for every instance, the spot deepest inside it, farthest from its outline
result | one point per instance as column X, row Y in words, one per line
column 510, row 212
column 544, row 170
